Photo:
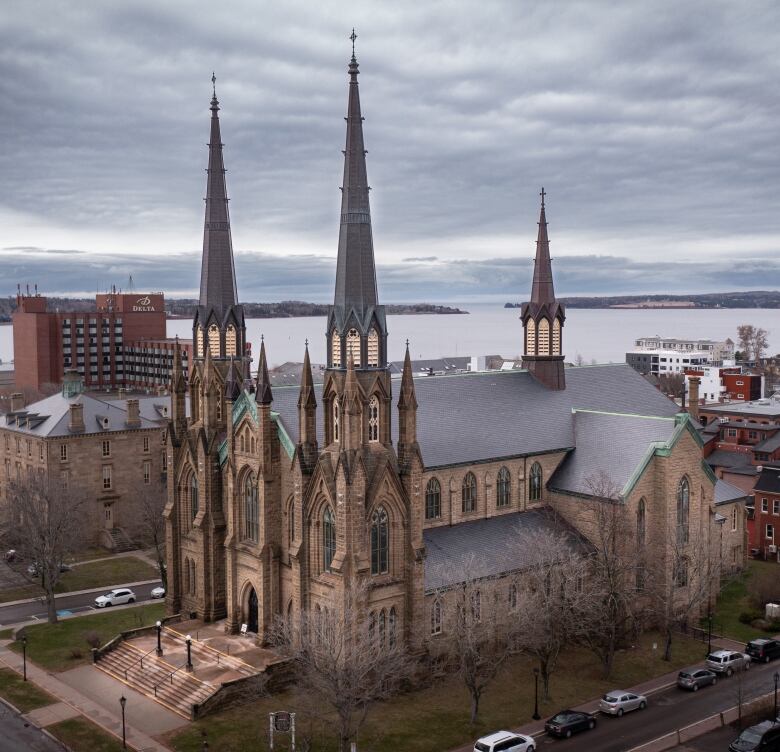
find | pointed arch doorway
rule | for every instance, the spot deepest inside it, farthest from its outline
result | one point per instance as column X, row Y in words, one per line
column 251, row 615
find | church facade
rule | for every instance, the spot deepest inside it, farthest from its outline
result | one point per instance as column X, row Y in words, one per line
column 279, row 499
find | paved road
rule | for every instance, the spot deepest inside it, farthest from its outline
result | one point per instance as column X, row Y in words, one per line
column 667, row 711
column 65, row 602
column 16, row 735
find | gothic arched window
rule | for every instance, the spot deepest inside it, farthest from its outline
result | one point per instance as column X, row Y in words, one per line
column 230, row 340
column 251, row 511
column 373, row 347
column 432, row 499
column 382, row 625
column 194, row 502
column 468, row 493
column 530, row 337
column 683, row 510
column 214, row 341
column 436, row 617
column 373, row 419
column 328, row 538
column 503, row 488
column 335, row 349
column 353, row 347
column 336, row 419
column 391, row 627
column 535, row 485
column 199, row 351
column 380, row 542
column 544, row 338
column 641, row 524
column 556, row 337
column 513, row 596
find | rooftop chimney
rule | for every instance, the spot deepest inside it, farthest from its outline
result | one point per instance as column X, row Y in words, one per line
column 133, row 414
column 76, row 422
column 17, row 402
column 693, row 396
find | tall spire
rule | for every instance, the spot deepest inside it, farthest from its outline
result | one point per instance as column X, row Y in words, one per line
column 263, row 395
column 306, row 397
column 355, row 272
column 542, row 290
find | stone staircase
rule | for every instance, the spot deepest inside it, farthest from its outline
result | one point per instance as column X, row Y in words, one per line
column 169, row 685
column 121, row 540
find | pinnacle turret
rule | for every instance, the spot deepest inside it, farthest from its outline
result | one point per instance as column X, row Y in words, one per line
column 263, row 394
column 542, row 289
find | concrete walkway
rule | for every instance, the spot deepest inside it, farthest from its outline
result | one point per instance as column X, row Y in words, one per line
column 109, row 720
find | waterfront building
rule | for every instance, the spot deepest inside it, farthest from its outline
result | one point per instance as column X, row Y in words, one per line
column 279, row 498
column 715, row 349
column 725, row 383
column 665, row 362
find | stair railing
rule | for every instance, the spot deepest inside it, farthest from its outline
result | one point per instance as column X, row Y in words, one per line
column 170, row 676
column 140, row 660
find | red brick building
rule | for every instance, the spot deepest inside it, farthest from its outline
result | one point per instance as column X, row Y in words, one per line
column 764, row 523
column 94, row 343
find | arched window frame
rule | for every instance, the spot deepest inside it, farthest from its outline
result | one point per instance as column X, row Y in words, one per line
column 641, row 524
column 543, row 339
column 436, row 625
column 335, row 349
column 336, row 419
column 468, row 493
column 380, row 542
column 251, row 509
column 328, row 538
column 373, row 348
column 231, row 341
column 556, row 337
column 535, row 483
column 382, row 627
column 683, row 510
column 513, row 596
column 432, row 499
column 530, row 337
column 353, row 347
column 503, row 488
column 199, row 343
column 373, row 419
column 391, row 619
column 214, row 341
column 194, row 500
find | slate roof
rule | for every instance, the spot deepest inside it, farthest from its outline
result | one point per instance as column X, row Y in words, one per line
column 738, row 462
column 768, row 445
column 725, row 492
column 769, row 480
column 487, row 547
column 473, row 417
column 50, row 416
column 612, row 444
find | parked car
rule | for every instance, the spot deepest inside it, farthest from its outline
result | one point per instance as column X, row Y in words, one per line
column 158, row 592
column 34, row 570
column 727, row 662
column 569, row 722
column 699, row 677
column 619, row 701
column 505, row 741
column 764, row 737
column 763, row 649
column 116, row 597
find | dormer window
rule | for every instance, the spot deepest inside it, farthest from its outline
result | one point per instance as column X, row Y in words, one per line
column 373, row 348
column 335, row 349
column 353, row 346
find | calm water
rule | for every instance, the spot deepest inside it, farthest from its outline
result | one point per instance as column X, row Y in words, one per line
column 596, row 334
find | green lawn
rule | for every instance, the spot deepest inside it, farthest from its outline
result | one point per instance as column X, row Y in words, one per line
column 24, row 695
column 437, row 718
column 52, row 646
column 82, row 735
column 733, row 600
column 106, row 573
column 6, row 634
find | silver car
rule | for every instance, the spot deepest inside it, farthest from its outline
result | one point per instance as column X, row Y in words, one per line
column 727, row 662
column 620, row 701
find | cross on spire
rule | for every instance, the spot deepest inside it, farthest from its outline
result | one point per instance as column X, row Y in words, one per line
column 353, row 37
column 214, row 84
column 543, row 194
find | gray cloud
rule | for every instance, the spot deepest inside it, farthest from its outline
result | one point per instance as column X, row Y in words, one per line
column 654, row 133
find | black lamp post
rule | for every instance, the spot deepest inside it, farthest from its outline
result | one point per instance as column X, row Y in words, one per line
column 188, row 640
column 159, row 632
column 777, row 679
column 205, row 742
column 536, row 715
column 24, row 657
column 123, row 702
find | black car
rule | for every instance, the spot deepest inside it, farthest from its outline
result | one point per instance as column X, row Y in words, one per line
column 569, row 722
column 696, row 678
column 765, row 737
column 763, row 649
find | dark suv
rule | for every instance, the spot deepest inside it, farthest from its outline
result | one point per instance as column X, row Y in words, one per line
column 765, row 737
column 763, row 649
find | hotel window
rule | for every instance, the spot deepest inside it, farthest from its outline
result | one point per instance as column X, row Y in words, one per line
column 544, row 338
column 556, row 337
column 373, row 347
column 146, row 443
column 147, row 473
column 770, row 532
column 335, row 349
column 230, row 340
column 106, row 448
column 775, row 506
column 214, row 341
column 106, row 477
column 765, row 506
column 353, row 347
column 530, row 337
column 63, row 452
column 373, row 419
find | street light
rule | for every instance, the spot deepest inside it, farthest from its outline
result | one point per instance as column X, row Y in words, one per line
column 123, row 702
column 536, row 715
column 188, row 640
column 777, row 679
column 159, row 632
column 205, row 746
column 24, row 657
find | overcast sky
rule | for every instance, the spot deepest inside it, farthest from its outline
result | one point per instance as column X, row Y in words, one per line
column 653, row 127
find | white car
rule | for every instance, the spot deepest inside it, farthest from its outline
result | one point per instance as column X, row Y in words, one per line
column 620, row 701
column 727, row 662
column 158, row 592
column 115, row 598
column 505, row 741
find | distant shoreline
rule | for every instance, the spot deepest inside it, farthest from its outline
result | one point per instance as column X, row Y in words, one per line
column 717, row 300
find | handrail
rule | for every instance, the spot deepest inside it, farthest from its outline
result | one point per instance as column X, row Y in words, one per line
column 206, row 646
column 140, row 660
column 170, row 676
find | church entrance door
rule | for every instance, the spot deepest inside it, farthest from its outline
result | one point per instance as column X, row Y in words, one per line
column 252, row 609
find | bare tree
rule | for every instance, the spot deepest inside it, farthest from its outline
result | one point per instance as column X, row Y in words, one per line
column 145, row 521
column 760, row 343
column 44, row 522
column 348, row 658
column 745, row 336
column 579, row 360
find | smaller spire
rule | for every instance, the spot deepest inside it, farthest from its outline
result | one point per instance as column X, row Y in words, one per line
column 351, row 382
column 306, row 397
column 263, row 395
column 407, row 397
column 232, row 387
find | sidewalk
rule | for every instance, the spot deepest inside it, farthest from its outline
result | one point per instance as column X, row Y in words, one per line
column 70, row 696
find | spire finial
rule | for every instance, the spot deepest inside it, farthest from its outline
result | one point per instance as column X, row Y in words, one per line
column 353, row 37
column 543, row 194
column 214, row 84
column 306, row 342
column 407, row 343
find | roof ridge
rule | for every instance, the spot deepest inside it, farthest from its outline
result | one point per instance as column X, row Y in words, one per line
column 671, row 418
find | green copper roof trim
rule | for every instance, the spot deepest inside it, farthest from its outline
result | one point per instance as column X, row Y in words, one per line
column 223, row 450
column 284, row 438
column 244, row 402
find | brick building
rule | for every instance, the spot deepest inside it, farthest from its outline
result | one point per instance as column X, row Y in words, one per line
column 725, row 383
column 279, row 499
column 765, row 515
column 95, row 343
column 111, row 450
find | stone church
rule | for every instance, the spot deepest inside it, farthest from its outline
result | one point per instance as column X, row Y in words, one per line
column 278, row 499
